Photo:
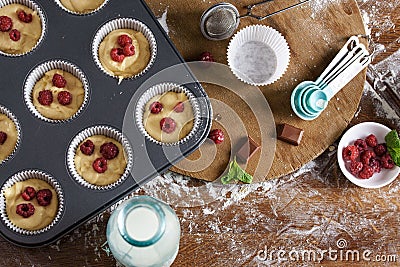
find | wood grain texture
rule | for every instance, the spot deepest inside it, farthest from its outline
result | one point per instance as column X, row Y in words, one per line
column 314, row 40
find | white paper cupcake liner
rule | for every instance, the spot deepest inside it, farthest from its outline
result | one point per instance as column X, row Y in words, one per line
column 58, row 2
column 11, row 116
column 37, row 73
column 124, row 23
column 26, row 175
column 99, row 130
column 35, row 7
column 266, row 35
column 159, row 89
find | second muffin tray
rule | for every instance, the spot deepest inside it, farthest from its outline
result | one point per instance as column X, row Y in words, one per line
column 44, row 145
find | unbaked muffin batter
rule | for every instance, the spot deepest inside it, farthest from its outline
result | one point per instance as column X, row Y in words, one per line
column 30, row 32
column 7, row 126
column 55, row 110
column 42, row 216
column 82, row 6
column 84, row 163
column 183, row 120
column 131, row 65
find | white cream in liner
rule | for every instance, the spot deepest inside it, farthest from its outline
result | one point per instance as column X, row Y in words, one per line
column 124, row 23
column 35, row 7
column 271, row 39
column 58, row 2
column 11, row 116
column 99, row 130
column 36, row 74
column 26, row 175
column 160, row 89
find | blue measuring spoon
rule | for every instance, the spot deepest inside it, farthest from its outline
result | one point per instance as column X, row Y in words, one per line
column 296, row 99
column 318, row 99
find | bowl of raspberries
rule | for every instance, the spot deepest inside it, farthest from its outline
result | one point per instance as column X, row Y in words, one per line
column 365, row 157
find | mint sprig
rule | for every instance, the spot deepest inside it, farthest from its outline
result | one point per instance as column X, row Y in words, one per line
column 393, row 145
column 235, row 172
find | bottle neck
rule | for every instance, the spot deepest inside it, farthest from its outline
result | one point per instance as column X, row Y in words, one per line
column 141, row 222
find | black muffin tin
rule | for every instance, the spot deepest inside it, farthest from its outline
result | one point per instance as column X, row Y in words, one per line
column 44, row 145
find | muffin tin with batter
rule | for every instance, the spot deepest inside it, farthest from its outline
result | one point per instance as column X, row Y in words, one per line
column 44, row 144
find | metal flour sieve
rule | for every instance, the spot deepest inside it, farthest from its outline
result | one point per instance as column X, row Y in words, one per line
column 221, row 20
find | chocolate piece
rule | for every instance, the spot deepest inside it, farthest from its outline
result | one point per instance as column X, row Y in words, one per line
column 247, row 150
column 290, row 134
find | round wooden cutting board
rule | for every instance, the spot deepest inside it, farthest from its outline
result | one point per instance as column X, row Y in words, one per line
column 315, row 32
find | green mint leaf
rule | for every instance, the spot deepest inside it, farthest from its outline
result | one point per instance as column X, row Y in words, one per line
column 395, row 154
column 246, row 178
column 393, row 144
column 241, row 174
column 392, row 139
column 226, row 179
column 236, row 173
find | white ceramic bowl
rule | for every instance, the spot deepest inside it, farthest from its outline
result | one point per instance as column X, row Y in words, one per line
column 362, row 130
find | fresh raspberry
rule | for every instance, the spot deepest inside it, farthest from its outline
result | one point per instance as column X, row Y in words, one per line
column 180, row 107
column 206, row 56
column 371, row 140
column 387, row 161
column 44, row 196
column 45, row 97
column 366, row 156
column 117, row 54
column 128, row 50
column 25, row 210
column 87, row 147
column 22, row 16
column 355, row 167
column 167, row 125
column 3, row 137
column 15, row 35
column 5, row 23
column 156, row 107
column 375, row 163
column 100, row 165
column 380, row 149
column 29, row 193
column 124, row 39
column 217, row 135
column 64, row 98
column 59, row 81
column 350, row 152
column 366, row 172
column 361, row 145
column 109, row 150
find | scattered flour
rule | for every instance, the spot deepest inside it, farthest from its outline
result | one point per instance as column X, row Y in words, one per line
column 163, row 21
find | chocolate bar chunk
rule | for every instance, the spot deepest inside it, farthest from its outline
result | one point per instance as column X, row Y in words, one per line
column 290, row 134
column 247, row 150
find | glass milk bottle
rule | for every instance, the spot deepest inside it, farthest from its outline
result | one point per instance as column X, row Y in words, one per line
column 143, row 231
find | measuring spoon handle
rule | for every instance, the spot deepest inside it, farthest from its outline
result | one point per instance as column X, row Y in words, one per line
column 350, row 59
column 352, row 42
column 346, row 76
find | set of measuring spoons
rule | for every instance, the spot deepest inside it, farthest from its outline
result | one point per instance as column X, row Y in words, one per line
column 309, row 98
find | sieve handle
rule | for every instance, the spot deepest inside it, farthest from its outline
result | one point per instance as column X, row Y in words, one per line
column 250, row 8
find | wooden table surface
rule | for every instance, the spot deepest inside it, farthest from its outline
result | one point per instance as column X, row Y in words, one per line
column 313, row 209
column 311, row 49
